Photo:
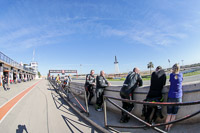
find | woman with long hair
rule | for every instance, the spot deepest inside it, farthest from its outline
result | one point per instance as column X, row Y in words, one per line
column 175, row 94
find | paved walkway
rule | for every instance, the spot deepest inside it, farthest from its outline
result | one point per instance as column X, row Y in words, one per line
column 41, row 110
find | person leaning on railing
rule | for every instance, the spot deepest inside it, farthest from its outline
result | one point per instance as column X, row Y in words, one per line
column 101, row 84
column 175, row 94
column 133, row 80
column 158, row 81
column 89, row 86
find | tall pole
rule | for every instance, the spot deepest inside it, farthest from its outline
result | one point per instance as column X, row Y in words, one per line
column 116, row 66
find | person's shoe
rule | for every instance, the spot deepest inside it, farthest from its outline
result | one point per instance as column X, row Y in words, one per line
column 123, row 121
column 99, row 110
column 166, row 130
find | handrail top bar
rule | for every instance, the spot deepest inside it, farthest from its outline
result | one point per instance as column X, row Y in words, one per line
column 154, row 103
column 185, row 91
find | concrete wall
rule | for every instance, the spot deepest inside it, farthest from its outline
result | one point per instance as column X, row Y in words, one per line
column 191, row 93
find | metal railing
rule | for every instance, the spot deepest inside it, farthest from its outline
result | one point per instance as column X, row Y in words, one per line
column 67, row 91
column 13, row 63
column 154, row 126
column 144, row 123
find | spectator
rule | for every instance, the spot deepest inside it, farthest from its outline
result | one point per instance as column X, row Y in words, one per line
column 5, row 83
column 101, row 84
column 174, row 94
column 158, row 81
column 89, row 86
column 69, row 80
column 58, row 78
column 133, row 80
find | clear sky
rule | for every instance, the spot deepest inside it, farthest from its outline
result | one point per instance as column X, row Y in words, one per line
column 67, row 33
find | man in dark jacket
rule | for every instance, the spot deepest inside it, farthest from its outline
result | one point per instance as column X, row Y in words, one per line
column 133, row 80
column 158, row 81
column 101, row 84
column 5, row 83
column 89, row 86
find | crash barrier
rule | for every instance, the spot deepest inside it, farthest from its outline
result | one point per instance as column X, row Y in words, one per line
column 191, row 92
column 78, row 90
column 64, row 93
column 153, row 126
column 65, row 89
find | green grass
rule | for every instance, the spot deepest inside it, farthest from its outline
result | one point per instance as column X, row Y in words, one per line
column 148, row 77
column 122, row 79
column 191, row 74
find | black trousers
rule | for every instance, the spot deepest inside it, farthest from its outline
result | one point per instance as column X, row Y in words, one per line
column 4, row 86
column 89, row 90
column 100, row 93
column 127, row 106
column 147, row 110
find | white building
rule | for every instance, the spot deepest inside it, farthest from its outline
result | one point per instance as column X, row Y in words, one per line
column 34, row 65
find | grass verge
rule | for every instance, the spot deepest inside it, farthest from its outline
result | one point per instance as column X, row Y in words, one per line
column 148, row 77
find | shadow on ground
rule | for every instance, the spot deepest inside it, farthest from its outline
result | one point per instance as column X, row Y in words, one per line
column 21, row 129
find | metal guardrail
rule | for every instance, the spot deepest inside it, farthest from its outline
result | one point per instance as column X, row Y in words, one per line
column 13, row 63
column 66, row 90
column 186, row 91
column 67, row 99
column 145, row 124
column 154, row 126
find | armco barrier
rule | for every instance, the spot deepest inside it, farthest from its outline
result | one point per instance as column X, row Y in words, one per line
column 66, row 98
column 191, row 92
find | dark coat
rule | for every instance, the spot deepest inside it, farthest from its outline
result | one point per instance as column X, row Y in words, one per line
column 158, row 81
column 102, row 83
column 133, row 80
column 90, row 80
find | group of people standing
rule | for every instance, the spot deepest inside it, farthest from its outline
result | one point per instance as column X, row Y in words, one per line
column 134, row 80
column 158, row 81
column 101, row 83
column 66, row 80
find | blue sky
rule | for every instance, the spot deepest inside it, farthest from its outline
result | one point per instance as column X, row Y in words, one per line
column 67, row 33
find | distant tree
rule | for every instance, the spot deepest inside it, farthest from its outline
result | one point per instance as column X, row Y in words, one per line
column 39, row 75
column 150, row 65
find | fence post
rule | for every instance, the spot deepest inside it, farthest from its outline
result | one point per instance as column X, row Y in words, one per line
column 86, row 103
column 68, row 93
column 105, row 111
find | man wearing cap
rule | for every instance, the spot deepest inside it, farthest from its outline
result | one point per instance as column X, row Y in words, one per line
column 133, row 80
column 158, row 81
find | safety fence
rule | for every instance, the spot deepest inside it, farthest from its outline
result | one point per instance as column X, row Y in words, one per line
column 78, row 91
column 67, row 91
column 153, row 126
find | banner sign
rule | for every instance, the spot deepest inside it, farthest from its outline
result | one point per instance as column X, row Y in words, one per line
column 62, row 71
